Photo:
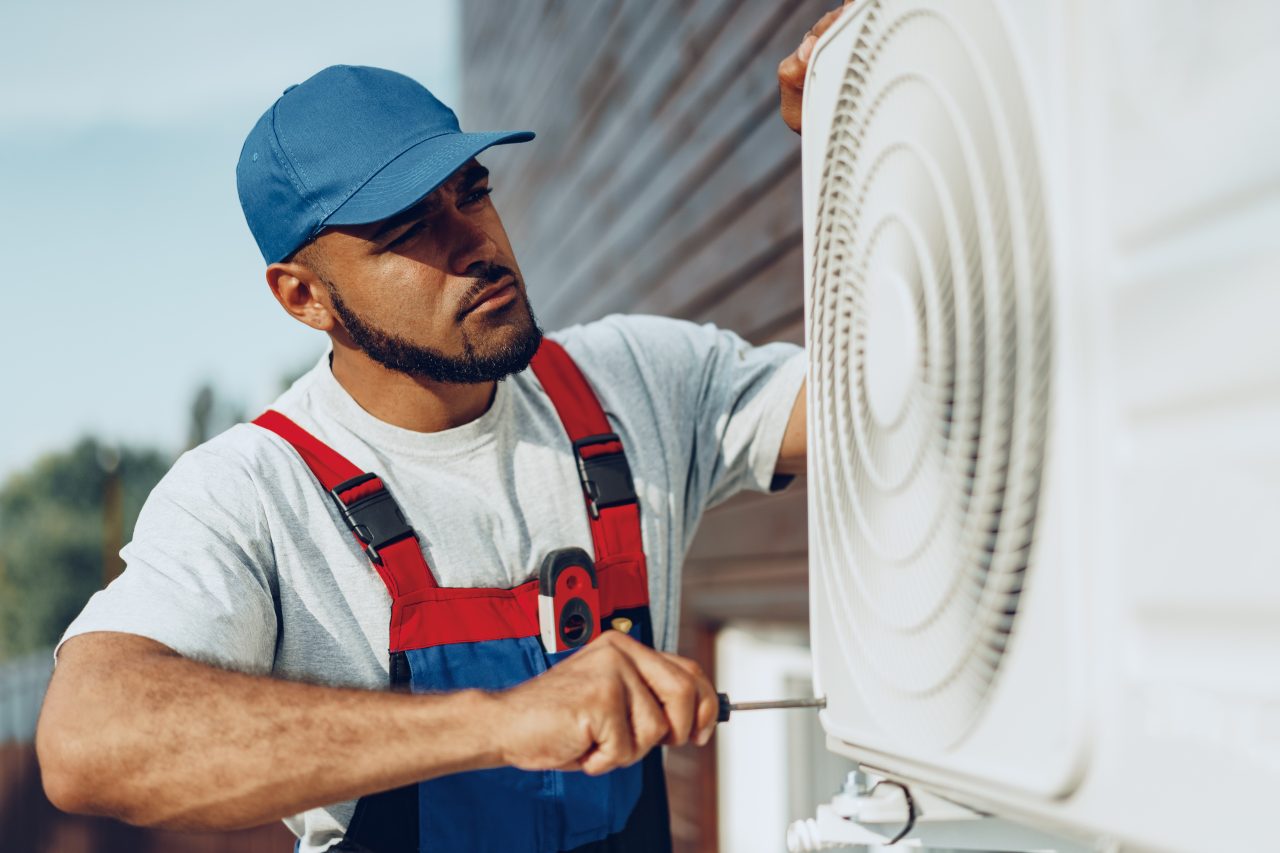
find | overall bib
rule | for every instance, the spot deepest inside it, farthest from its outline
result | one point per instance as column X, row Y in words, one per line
column 446, row 639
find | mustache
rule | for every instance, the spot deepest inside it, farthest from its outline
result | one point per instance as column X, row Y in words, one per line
column 485, row 276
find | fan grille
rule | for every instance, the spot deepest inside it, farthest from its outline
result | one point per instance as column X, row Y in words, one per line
column 929, row 339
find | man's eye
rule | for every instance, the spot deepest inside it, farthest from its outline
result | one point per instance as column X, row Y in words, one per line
column 407, row 235
column 477, row 194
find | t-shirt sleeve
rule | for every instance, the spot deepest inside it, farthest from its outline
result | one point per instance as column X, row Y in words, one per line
column 199, row 571
column 740, row 398
column 721, row 404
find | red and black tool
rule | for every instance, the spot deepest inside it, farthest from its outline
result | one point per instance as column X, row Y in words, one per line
column 568, row 600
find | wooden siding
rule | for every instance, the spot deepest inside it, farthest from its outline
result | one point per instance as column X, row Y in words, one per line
column 662, row 181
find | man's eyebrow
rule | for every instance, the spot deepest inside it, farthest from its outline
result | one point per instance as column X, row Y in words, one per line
column 410, row 214
column 473, row 175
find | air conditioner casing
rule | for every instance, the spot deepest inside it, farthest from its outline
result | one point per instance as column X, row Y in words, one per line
column 1136, row 693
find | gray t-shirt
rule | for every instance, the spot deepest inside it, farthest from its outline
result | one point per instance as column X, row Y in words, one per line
column 240, row 559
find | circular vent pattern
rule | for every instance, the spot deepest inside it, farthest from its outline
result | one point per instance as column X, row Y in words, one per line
column 929, row 340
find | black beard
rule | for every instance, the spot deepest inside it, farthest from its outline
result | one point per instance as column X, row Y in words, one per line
column 396, row 353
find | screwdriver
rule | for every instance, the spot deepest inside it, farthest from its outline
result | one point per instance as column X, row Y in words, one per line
column 727, row 707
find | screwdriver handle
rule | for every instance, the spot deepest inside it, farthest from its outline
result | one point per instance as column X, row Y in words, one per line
column 725, row 708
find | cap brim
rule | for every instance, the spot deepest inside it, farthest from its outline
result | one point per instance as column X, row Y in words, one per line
column 416, row 173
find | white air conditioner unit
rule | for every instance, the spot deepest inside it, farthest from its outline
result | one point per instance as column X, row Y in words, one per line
column 1043, row 322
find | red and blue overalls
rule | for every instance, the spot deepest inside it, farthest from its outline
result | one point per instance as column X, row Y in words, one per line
column 444, row 639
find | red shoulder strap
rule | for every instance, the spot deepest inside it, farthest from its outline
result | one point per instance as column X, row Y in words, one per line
column 365, row 504
column 602, row 465
column 391, row 544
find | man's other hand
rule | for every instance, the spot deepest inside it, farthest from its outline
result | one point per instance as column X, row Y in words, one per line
column 791, row 70
column 605, row 707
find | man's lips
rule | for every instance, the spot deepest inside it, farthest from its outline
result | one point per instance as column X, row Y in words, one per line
column 494, row 296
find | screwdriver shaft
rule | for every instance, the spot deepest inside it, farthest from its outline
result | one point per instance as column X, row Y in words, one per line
column 781, row 703
column 727, row 707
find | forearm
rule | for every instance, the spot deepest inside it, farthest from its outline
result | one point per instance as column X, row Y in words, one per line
column 794, row 450
column 154, row 738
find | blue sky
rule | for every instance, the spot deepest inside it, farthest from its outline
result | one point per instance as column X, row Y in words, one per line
column 129, row 275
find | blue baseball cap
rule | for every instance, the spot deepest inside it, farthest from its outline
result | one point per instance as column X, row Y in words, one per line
column 348, row 146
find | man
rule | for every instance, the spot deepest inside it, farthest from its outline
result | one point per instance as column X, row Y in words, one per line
column 236, row 673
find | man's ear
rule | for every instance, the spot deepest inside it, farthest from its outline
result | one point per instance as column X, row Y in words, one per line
column 302, row 294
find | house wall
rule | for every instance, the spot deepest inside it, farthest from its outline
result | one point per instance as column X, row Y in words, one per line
column 662, row 181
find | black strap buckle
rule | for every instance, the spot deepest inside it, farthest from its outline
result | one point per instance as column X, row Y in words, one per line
column 375, row 519
column 606, row 477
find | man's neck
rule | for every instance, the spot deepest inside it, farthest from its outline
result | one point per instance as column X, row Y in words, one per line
column 408, row 402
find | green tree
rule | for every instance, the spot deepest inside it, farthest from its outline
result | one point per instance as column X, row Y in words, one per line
column 54, row 537
column 210, row 414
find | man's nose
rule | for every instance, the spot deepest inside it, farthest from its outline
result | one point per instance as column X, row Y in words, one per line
column 472, row 245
